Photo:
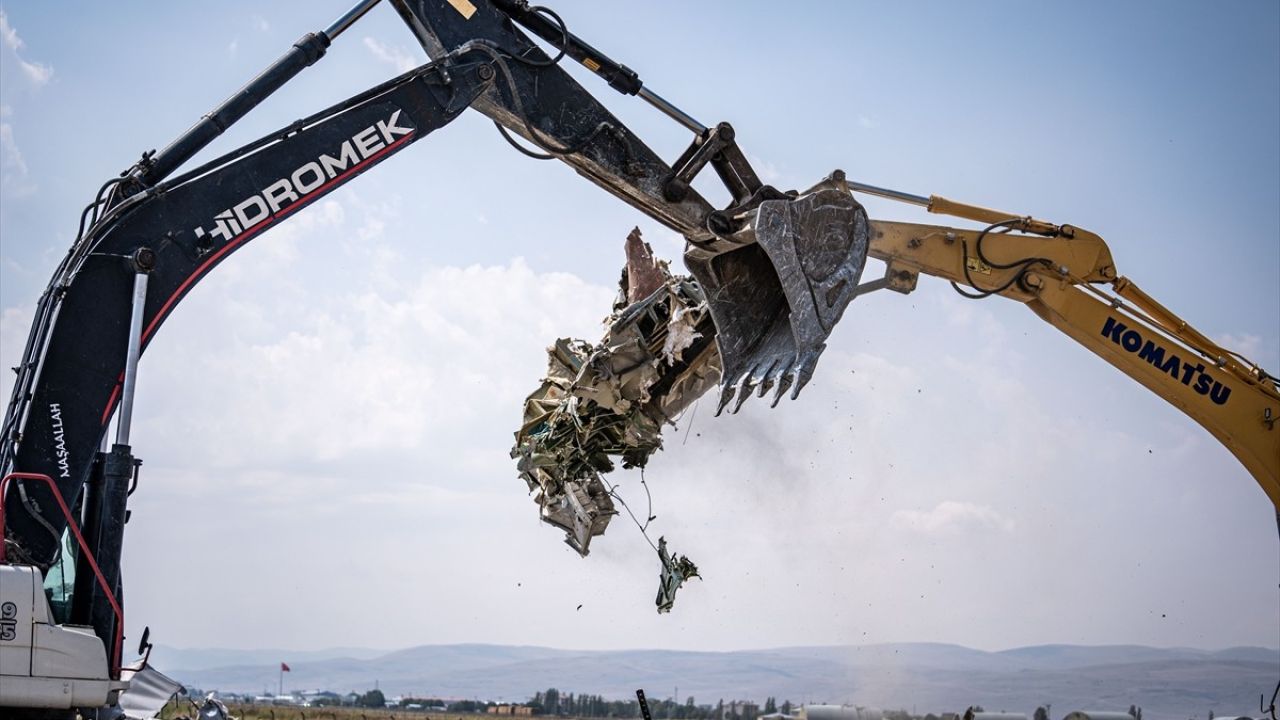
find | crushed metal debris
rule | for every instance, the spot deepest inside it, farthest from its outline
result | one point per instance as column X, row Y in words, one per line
column 611, row 400
column 675, row 570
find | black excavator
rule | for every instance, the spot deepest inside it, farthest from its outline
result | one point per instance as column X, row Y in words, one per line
column 774, row 269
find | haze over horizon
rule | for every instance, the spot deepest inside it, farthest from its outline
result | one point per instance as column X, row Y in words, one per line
column 1165, row 683
column 335, row 651
column 325, row 421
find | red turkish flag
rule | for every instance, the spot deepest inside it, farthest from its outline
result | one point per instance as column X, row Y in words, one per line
column 284, row 668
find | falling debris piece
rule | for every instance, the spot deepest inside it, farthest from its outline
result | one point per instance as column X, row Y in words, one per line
column 612, row 400
column 675, row 570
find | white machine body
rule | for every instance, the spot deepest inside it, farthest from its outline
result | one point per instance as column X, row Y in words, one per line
column 43, row 665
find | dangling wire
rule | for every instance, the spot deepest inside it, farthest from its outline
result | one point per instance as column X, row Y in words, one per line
column 613, row 493
column 649, row 516
column 689, row 427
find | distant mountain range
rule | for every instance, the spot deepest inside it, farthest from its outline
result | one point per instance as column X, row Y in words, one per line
column 1166, row 682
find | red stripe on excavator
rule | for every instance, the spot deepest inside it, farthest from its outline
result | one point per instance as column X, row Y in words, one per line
column 240, row 240
column 111, row 401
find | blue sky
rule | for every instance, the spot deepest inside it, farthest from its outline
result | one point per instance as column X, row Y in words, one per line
column 332, row 408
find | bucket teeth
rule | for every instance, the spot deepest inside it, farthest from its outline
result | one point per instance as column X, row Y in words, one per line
column 804, row 368
column 766, row 381
column 745, row 388
column 776, row 300
column 784, row 382
column 726, row 395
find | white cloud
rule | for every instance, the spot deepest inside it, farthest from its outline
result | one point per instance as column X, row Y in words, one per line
column 866, row 122
column 8, row 35
column 37, row 73
column 394, row 55
column 365, row 365
column 14, row 175
column 233, row 47
column 261, row 23
column 952, row 516
column 15, row 322
column 10, row 155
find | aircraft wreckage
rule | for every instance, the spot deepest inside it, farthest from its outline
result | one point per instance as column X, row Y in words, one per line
column 611, row 400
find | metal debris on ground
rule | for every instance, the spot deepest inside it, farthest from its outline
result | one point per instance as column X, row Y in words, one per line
column 675, row 570
column 611, row 400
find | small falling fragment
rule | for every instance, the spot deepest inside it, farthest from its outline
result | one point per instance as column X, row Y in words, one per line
column 579, row 607
column 675, row 570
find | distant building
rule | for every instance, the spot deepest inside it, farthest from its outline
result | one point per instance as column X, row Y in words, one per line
column 270, row 699
column 510, row 710
column 840, row 712
column 313, row 697
column 741, row 710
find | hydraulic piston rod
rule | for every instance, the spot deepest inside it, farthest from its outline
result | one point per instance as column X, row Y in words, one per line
column 125, row 419
column 620, row 77
column 304, row 53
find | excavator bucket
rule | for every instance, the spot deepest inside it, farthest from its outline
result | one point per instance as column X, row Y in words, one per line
column 776, row 298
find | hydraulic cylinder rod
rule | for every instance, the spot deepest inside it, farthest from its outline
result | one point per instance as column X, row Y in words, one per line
column 304, row 53
column 124, row 421
column 620, row 77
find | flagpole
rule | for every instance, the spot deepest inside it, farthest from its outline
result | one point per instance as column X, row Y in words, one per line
column 280, row 690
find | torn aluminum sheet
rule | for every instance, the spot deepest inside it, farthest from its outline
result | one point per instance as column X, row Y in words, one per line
column 148, row 692
column 612, row 399
column 675, row 570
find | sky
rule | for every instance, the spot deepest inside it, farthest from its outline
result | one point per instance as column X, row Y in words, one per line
column 326, row 419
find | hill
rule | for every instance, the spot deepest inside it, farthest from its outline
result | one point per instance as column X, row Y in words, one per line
column 1174, row 682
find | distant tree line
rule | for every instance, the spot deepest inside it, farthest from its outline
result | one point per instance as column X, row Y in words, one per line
column 585, row 705
column 553, row 702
